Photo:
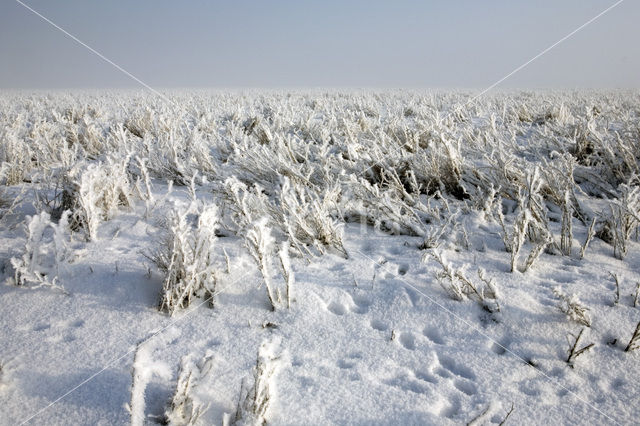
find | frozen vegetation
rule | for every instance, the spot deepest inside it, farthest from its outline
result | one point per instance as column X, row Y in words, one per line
column 320, row 258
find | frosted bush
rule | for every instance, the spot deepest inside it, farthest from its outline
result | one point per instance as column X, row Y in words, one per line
column 287, row 270
column 6, row 204
column 186, row 408
column 261, row 244
column 45, row 251
column 15, row 157
column 623, row 219
column 310, row 162
column 307, row 219
column 246, row 204
column 530, row 224
column 384, row 209
column 572, row 307
column 257, row 394
column 97, row 193
column 186, row 259
column 459, row 286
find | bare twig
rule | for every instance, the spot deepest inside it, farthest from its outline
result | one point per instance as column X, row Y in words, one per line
column 633, row 343
column 480, row 417
column 574, row 352
column 615, row 277
column 590, row 233
column 507, row 416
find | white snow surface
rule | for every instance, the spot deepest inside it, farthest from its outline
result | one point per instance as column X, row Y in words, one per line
column 370, row 338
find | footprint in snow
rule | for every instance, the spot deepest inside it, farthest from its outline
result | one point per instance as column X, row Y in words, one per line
column 557, row 372
column 529, row 388
column 413, row 295
column 617, row 384
column 360, row 304
column 337, row 308
column 349, row 361
column 76, row 323
column 426, row 377
column 406, row 383
column 60, row 338
column 403, row 269
column 560, row 278
column 547, row 301
column 337, row 267
column 452, row 409
column 455, row 368
column 407, row 340
column 434, row 335
column 388, row 275
column 445, row 374
column 465, row 387
column 379, row 325
column 41, row 327
column 346, row 364
column 500, row 347
column 397, row 250
column 367, row 247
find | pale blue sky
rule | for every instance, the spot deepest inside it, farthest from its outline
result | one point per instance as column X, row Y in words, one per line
column 404, row 44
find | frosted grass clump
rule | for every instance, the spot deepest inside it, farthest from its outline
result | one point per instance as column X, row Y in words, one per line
column 186, row 259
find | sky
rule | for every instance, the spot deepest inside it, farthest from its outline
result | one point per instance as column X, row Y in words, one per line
column 330, row 43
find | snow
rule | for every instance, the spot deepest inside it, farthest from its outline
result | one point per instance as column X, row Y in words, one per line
column 370, row 338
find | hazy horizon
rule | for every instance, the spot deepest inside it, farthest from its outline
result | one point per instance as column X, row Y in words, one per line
column 288, row 45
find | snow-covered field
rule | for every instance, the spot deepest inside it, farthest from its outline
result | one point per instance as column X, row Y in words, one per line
column 319, row 258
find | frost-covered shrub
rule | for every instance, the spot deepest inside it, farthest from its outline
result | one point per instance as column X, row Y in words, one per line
column 178, row 153
column 572, row 307
column 95, row 193
column 85, row 133
column 574, row 348
column 45, row 251
column 15, row 157
column 30, row 268
column 186, row 259
column 382, row 208
column 307, row 218
column 530, row 223
column 310, row 162
column 287, row 271
column 623, row 219
column 6, row 205
column 245, row 203
column 447, row 166
column 185, row 408
column 57, row 193
column 438, row 229
column 297, row 211
column 458, row 286
column 260, row 243
column 257, row 393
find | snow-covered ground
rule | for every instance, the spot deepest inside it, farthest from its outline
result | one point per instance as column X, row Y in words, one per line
column 404, row 308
